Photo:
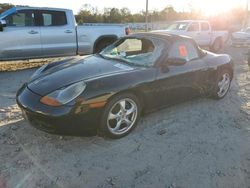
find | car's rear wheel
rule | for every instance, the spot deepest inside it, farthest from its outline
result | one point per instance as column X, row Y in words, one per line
column 120, row 116
column 222, row 84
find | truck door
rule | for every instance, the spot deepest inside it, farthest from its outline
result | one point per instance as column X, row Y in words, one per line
column 206, row 34
column 58, row 33
column 21, row 36
column 194, row 32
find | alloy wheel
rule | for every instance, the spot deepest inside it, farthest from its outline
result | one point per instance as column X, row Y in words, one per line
column 224, row 85
column 122, row 116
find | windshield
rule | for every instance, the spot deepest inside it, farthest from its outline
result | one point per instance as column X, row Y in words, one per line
column 134, row 51
column 7, row 12
column 181, row 26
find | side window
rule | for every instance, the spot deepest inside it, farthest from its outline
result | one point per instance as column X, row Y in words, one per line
column 54, row 18
column 21, row 18
column 194, row 27
column 183, row 50
column 47, row 19
column 204, row 26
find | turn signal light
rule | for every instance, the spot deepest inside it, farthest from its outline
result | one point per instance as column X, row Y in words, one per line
column 50, row 101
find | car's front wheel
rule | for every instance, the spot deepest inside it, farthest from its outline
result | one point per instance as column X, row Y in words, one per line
column 120, row 116
column 223, row 83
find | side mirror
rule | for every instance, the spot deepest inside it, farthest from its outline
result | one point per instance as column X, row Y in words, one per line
column 176, row 61
column 2, row 24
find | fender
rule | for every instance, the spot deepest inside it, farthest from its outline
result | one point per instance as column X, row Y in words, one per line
column 103, row 88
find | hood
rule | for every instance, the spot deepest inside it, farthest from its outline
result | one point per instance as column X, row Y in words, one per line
column 61, row 74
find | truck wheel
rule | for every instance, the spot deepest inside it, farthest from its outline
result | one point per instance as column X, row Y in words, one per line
column 102, row 44
column 120, row 116
column 217, row 45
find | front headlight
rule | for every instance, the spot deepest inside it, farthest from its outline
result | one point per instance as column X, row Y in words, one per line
column 64, row 95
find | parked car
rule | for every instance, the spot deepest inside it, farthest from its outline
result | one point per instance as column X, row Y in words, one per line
column 241, row 37
column 201, row 31
column 108, row 91
column 31, row 32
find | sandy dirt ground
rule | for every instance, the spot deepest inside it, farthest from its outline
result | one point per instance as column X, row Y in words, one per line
column 201, row 143
column 8, row 66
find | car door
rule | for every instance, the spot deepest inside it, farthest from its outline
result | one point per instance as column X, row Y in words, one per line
column 184, row 81
column 21, row 36
column 206, row 34
column 193, row 31
column 58, row 35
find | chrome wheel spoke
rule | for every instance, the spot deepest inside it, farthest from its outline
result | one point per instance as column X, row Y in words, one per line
column 221, row 90
column 112, row 116
column 123, row 105
column 127, row 121
column 118, row 126
column 131, row 110
column 220, row 84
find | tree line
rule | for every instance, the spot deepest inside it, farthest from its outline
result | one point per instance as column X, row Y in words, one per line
column 5, row 6
column 223, row 20
column 89, row 14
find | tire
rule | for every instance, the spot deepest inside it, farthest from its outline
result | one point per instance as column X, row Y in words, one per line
column 222, row 85
column 217, row 45
column 120, row 116
column 103, row 44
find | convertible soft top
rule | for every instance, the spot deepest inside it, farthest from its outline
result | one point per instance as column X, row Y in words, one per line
column 161, row 35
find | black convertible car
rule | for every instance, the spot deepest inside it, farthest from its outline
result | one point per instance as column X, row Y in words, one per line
column 107, row 92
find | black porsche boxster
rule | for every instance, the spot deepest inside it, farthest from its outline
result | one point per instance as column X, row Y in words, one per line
column 107, row 92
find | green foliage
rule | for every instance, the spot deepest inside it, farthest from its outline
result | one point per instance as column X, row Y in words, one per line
column 89, row 14
column 222, row 20
column 5, row 6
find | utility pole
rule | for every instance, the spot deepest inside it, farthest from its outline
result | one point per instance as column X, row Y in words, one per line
column 147, row 15
column 247, row 19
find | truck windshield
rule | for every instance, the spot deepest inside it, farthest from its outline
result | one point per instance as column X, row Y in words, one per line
column 7, row 12
column 180, row 26
column 134, row 51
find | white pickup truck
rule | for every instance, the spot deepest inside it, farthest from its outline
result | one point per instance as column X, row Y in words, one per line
column 32, row 32
column 200, row 31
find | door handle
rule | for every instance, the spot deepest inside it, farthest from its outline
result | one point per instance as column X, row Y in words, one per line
column 32, row 32
column 68, row 31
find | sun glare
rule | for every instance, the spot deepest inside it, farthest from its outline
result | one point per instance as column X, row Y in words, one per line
column 212, row 7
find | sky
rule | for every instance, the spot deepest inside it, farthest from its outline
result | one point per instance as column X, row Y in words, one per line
column 207, row 6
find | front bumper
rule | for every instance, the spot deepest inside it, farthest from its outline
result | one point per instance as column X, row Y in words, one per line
column 61, row 120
